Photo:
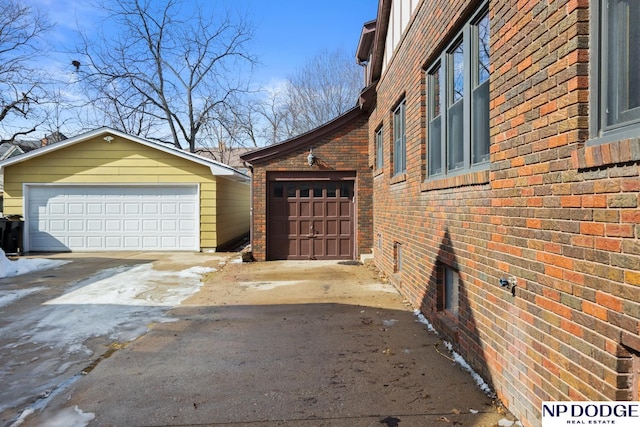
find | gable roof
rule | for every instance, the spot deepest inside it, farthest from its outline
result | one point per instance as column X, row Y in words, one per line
column 9, row 150
column 276, row 150
column 217, row 168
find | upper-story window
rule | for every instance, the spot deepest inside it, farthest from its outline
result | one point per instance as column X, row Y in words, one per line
column 399, row 139
column 616, row 102
column 458, row 102
column 379, row 150
column 434, row 122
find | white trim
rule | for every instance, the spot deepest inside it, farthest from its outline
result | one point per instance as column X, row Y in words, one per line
column 27, row 187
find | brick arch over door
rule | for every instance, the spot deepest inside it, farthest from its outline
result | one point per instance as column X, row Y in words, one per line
column 311, row 216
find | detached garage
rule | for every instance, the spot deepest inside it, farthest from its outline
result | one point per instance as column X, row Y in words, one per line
column 312, row 195
column 106, row 190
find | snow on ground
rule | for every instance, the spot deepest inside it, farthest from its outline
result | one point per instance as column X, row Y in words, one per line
column 463, row 363
column 9, row 268
column 45, row 347
column 456, row 357
column 9, row 297
column 138, row 286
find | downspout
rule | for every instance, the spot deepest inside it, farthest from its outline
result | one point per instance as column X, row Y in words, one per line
column 250, row 167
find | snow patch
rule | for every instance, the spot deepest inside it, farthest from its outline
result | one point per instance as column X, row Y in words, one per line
column 9, row 268
column 138, row 286
column 69, row 417
column 118, row 303
column 389, row 322
column 9, row 297
column 457, row 358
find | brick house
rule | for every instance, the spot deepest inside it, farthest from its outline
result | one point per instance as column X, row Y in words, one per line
column 311, row 195
column 504, row 138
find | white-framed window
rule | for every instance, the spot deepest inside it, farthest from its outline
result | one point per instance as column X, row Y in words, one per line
column 379, row 150
column 458, row 101
column 615, row 94
column 399, row 139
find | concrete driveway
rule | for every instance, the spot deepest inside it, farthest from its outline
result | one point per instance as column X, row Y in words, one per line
column 259, row 344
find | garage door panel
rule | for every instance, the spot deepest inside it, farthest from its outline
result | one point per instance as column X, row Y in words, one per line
column 132, row 209
column 345, row 245
column 58, row 208
column 94, row 208
column 331, row 247
column 112, row 242
column 112, row 218
column 132, row 242
column 169, row 224
column 305, row 227
column 111, row 225
column 95, row 225
column 149, row 208
column 56, row 225
column 150, row 241
column 305, row 209
column 292, row 208
column 186, row 224
column 168, row 209
column 345, row 209
column 92, row 242
column 187, row 209
column 332, row 209
column 77, row 225
column 345, row 228
column 150, row 225
column 76, row 208
column 112, row 208
column 318, row 209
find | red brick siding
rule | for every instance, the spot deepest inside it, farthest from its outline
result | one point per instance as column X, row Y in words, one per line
column 560, row 217
column 345, row 150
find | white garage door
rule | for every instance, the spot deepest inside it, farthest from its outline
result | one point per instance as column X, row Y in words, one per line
column 99, row 218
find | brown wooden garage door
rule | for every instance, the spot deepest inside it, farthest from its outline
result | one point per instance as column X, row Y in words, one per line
column 311, row 220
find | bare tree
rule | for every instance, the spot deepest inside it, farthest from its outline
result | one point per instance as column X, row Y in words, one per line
column 157, row 66
column 272, row 109
column 324, row 88
column 21, row 86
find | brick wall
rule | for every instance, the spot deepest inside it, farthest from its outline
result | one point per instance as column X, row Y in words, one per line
column 559, row 216
column 344, row 149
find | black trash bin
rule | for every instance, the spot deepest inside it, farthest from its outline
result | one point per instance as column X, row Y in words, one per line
column 3, row 229
column 11, row 237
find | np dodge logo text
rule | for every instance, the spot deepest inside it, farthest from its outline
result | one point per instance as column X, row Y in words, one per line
column 601, row 410
column 567, row 413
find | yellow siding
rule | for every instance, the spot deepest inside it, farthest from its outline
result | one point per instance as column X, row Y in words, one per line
column 127, row 162
column 233, row 209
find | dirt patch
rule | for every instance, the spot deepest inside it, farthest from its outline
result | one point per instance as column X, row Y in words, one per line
column 296, row 282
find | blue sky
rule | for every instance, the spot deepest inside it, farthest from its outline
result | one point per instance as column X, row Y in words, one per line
column 288, row 32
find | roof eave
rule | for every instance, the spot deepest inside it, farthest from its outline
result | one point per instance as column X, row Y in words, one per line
column 292, row 144
column 367, row 37
column 382, row 27
column 217, row 168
